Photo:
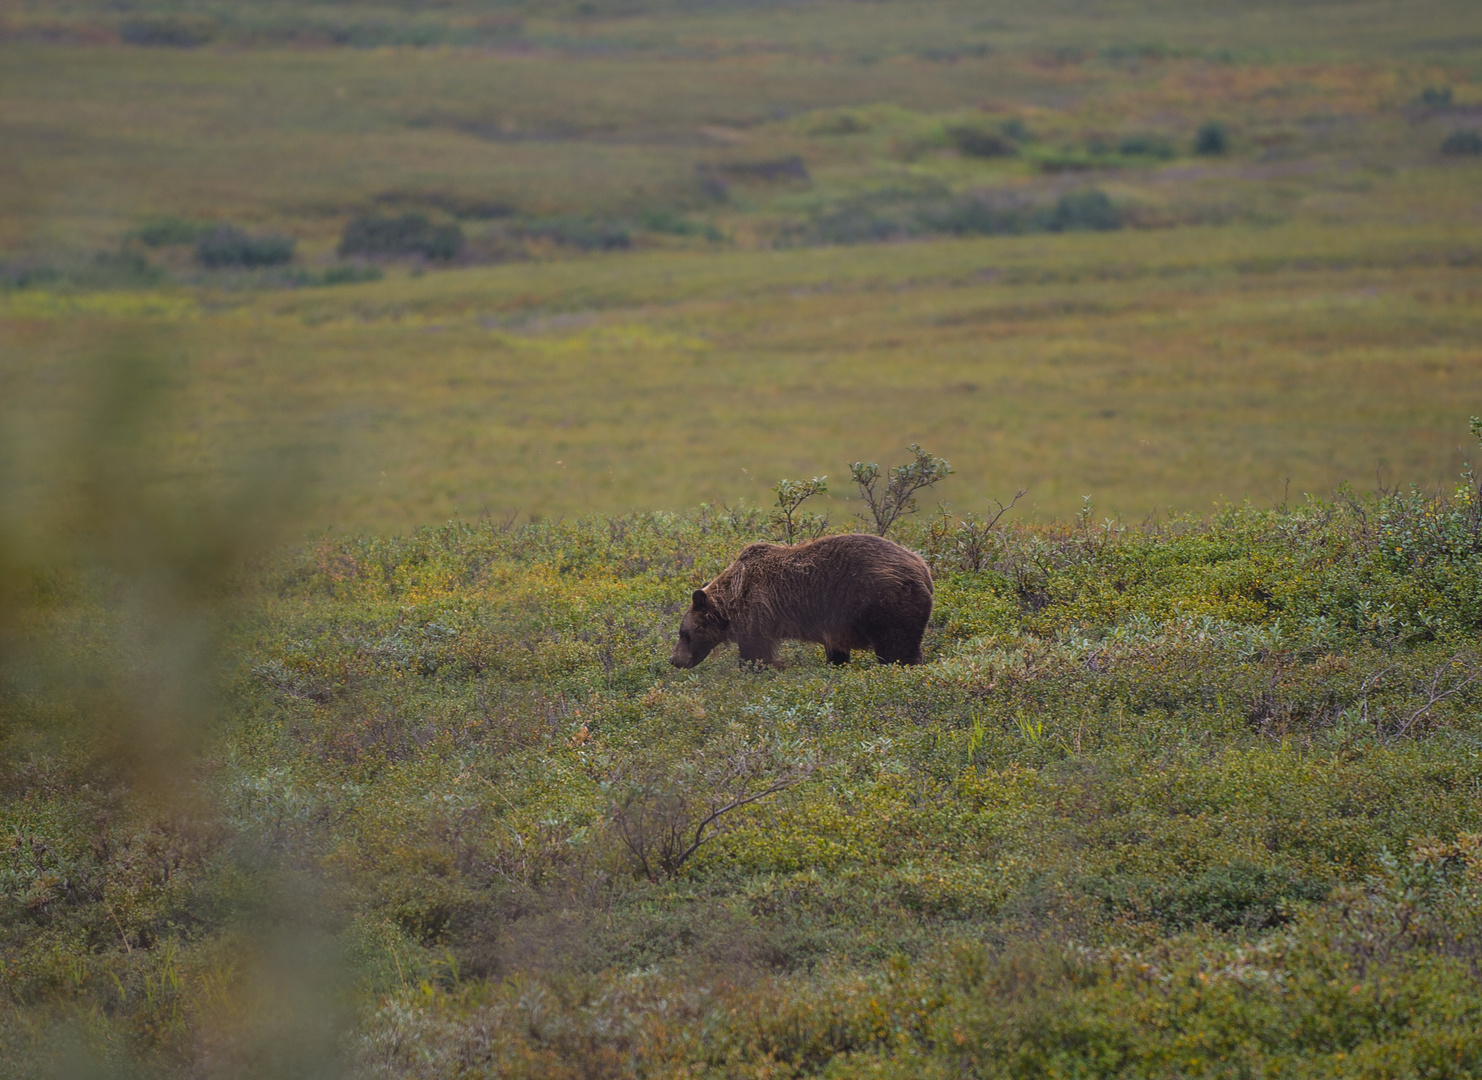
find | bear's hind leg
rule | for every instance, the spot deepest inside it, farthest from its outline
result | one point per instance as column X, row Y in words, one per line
column 895, row 643
column 836, row 656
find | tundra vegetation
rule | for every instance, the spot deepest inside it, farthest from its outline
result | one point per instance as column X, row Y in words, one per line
column 1193, row 796
column 296, row 782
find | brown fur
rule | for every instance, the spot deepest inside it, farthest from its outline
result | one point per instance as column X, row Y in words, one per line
column 854, row 591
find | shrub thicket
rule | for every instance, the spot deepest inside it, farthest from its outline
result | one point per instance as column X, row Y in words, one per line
column 975, row 142
column 1212, row 139
column 1462, row 141
column 164, row 232
column 227, row 246
column 179, row 31
column 584, row 233
column 375, row 236
column 672, row 224
column 1153, row 146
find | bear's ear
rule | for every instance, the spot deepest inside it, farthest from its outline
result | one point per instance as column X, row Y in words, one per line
column 700, row 600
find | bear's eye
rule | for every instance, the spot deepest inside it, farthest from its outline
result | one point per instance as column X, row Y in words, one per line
column 684, row 635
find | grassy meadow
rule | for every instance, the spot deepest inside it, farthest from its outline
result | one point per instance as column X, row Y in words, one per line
column 377, row 382
column 699, row 253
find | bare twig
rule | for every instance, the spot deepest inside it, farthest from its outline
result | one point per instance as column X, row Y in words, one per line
column 1368, row 686
column 1438, row 691
column 1002, row 509
column 668, row 815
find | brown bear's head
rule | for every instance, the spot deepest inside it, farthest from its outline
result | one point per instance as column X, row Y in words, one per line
column 703, row 628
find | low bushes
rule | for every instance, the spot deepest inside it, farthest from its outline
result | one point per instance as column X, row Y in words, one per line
column 975, row 142
column 584, row 233
column 1212, row 139
column 1153, row 146
column 1091, row 209
column 1188, row 798
column 171, row 31
column 226, row 246
column 1463, row 142
column 375, row 236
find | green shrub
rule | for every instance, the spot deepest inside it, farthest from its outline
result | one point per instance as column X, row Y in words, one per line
column 1091, row 209
column 672, row 224
column 1435, row 96
column 588, row 234
column 839, row 124
column 1239, row 896
column 172, row 31
column 1154, row 146
column 861, row 221
column 770, row 170
column 350, row 275
column 975, row 142
column 26, row 275
column 1015, row 129
column 121, row 269
column 1463, row 141
column 374, row 236
column 978, row 217
column 1212, row 139
column 228, row 246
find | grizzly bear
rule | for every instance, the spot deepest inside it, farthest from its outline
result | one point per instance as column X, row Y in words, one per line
column 854, row 591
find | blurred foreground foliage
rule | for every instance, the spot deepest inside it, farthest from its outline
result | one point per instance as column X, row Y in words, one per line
column 1197, row 797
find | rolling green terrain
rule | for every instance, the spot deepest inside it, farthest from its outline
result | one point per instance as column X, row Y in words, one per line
column 377, row 382
column 1148, row 370
column 767, row 237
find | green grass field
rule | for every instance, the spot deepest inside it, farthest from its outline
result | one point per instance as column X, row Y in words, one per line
column 1151, row 371
column 337, row 733
column 1294, row 312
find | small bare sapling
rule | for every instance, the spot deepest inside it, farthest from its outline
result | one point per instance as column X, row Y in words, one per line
column 897, row 498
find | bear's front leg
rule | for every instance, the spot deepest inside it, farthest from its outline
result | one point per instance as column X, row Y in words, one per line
column 757, row 654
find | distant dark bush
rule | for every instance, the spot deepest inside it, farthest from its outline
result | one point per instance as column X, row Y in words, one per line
column 332, row 275
column 858, row 222
column 588, row 234
column 672, row 224
column 173, row 31
column 1436, row 96
column 839, row 124
column 408, row 234
column 167, row 231
column 968, row 217
column 350, row 275
column 1090, row 209
column 791, row 167
column 978, row 143
column 1015, row 129
column 119, row 269
column 950, row 54
column 714, row 186
column 122, row 269
column 227, row 246
column 1212, row 139
column 1463, row 142
column 27, row 275
column 1154, row 146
